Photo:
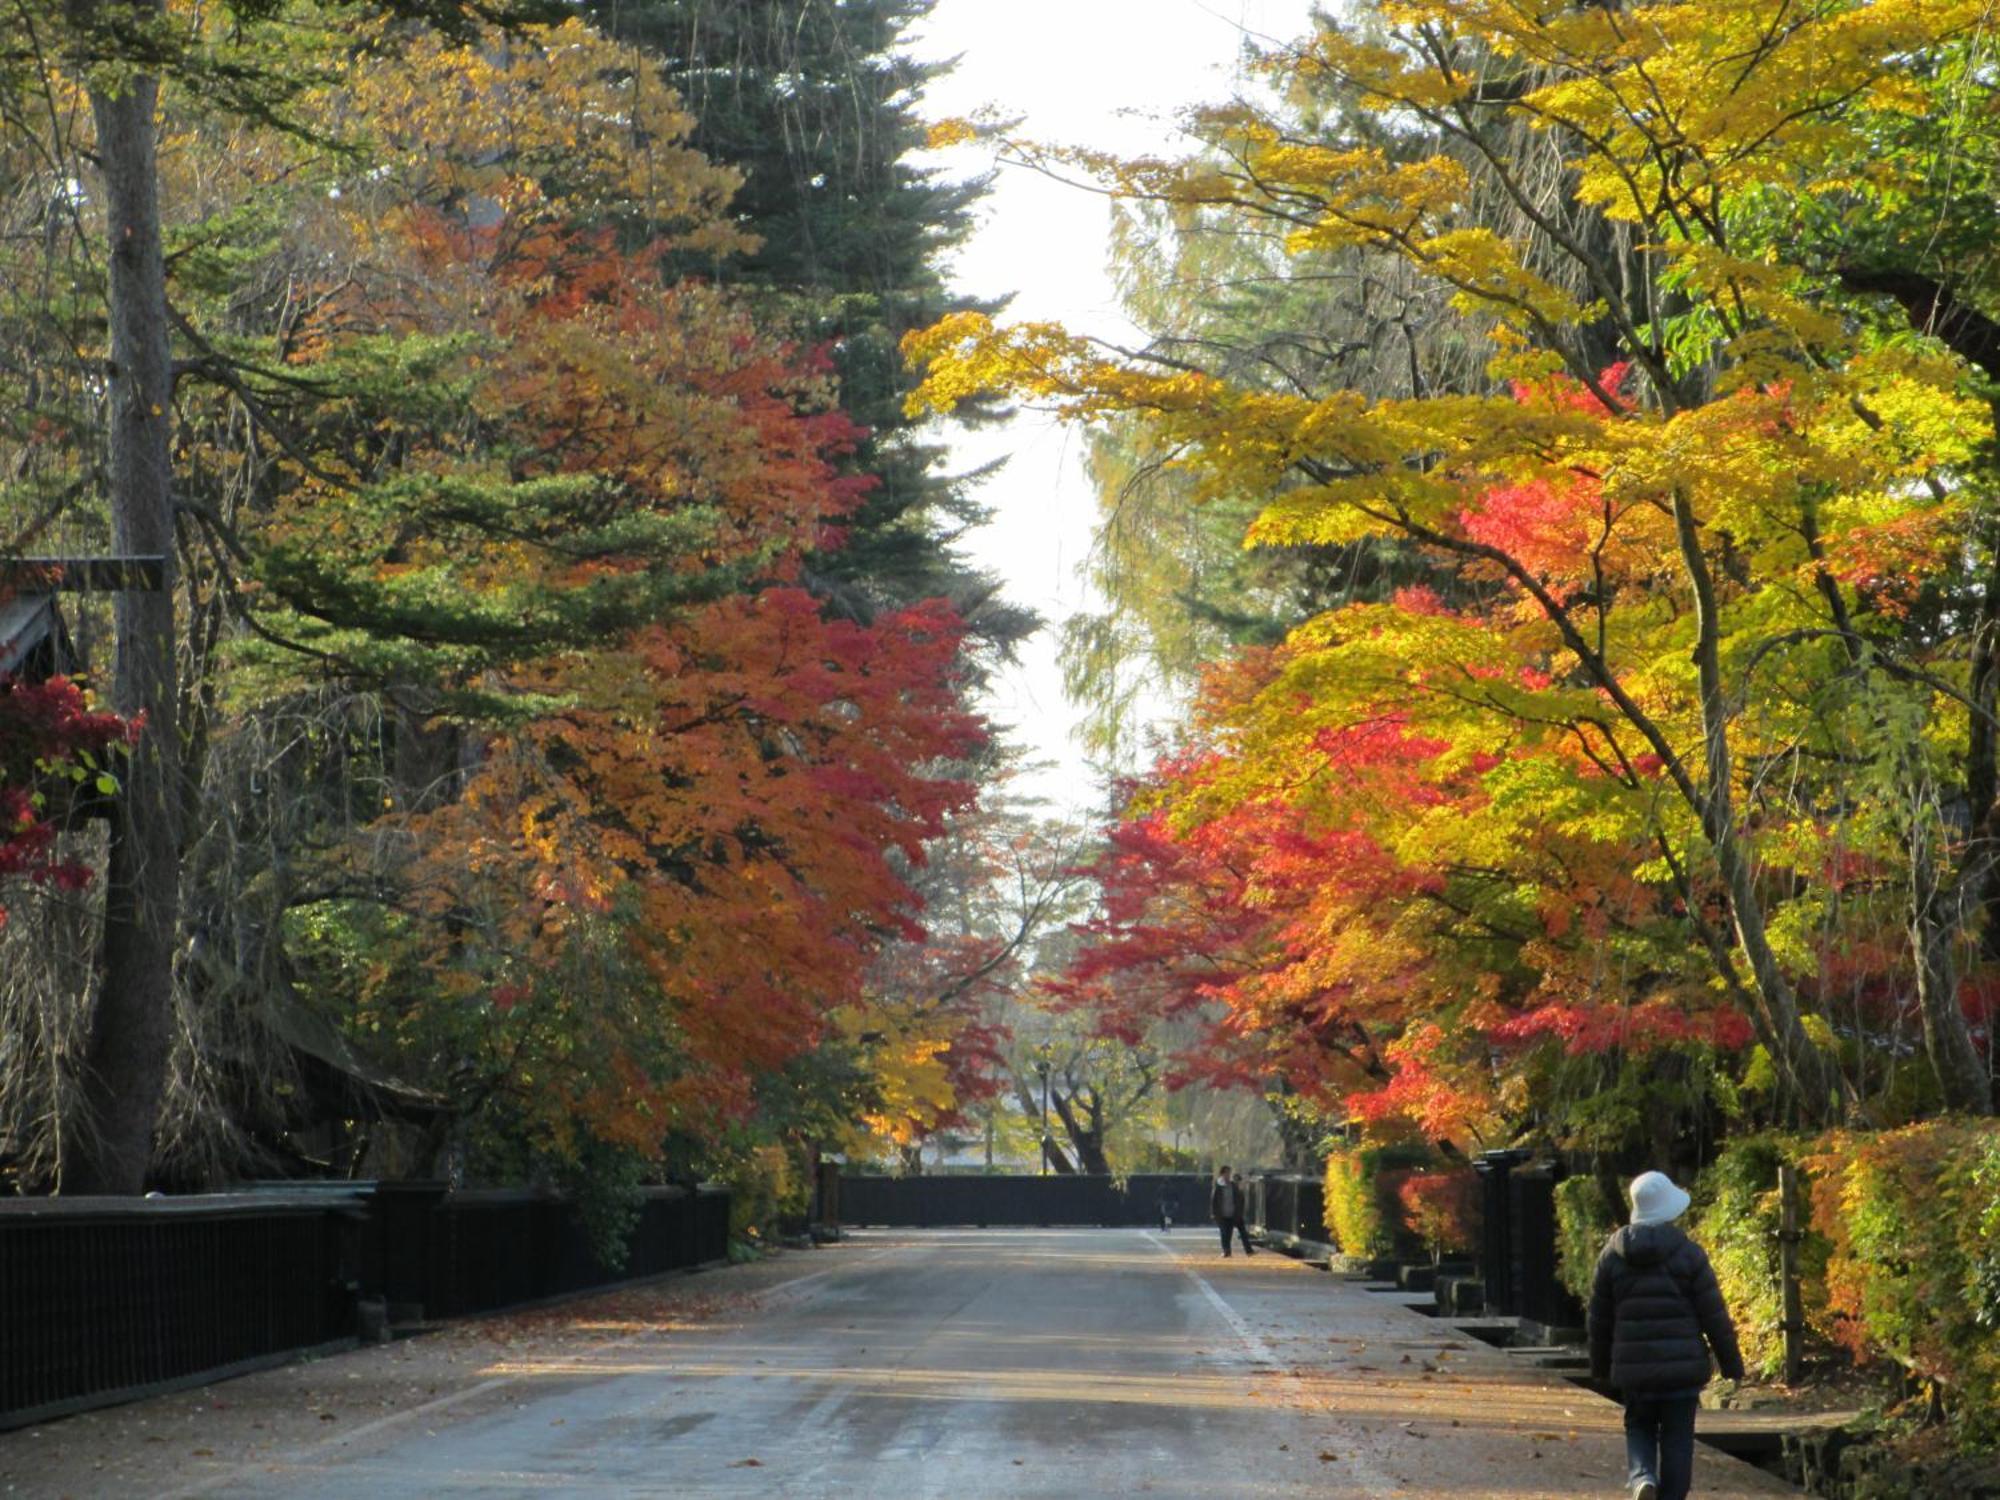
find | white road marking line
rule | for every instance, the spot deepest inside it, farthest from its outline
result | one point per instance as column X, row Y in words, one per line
column 1259, row 1350
column 1351, row 1464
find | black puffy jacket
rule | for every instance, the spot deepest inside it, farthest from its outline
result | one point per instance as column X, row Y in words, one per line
column 1653, row 1301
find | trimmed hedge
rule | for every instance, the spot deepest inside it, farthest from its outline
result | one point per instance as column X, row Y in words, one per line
column 1900, row 1259
column 1911, row 1220
column 1736, row 1218
column 1584, row 1221
column 1364, row 1209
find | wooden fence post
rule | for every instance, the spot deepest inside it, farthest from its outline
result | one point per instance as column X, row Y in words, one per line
column 1788, row 1269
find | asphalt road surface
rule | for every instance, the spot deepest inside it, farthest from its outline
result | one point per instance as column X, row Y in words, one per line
column 978, row 1364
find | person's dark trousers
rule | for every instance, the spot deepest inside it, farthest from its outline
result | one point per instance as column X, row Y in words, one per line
column 1236, row 1223
column 1659, row 1442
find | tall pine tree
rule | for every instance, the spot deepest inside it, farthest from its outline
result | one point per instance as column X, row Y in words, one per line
column 815, row 101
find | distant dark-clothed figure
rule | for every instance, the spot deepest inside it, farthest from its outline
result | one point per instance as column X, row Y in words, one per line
column 1225, row 1206
column 1656, row 1312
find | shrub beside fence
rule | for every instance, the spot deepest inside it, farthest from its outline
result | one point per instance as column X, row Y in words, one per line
column 105, row 1299
column 1401, row 1200
column 1900, row 1260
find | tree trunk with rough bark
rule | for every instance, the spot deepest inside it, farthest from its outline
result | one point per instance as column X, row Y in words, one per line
column 1935, row 924
column 126, row 1058
column 1086, row 1134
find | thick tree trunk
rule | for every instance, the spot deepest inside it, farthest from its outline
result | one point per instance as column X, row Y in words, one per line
column 126, row 1060
column 1934, row 927
column 1088, row 1139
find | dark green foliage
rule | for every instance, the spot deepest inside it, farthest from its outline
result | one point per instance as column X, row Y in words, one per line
column 1736, row 1221
column 814, row 102
column 1585, row 1217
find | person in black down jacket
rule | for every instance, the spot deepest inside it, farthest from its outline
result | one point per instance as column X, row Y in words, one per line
column 1226, row 1205
column 1653, row 1303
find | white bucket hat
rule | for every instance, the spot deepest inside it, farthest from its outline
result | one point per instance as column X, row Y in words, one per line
column 1655, row 1199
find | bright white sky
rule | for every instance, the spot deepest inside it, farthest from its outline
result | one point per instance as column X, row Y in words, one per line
column 1105, row 73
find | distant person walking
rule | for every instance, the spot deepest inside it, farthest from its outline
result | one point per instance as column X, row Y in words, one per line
column 1653, row 1303
column 1225, row 1206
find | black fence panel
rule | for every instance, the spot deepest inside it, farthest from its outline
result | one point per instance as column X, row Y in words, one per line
column 491, row 1250
column 1531, row 1210
column 102, row 1296
column 711, row 1226
column 1496, row 1239
column 1281, row 1207
column 1289, row 1206
column 1311, row 1201
column 1022, row 1201
column 103, row 1299
column 826, row 1193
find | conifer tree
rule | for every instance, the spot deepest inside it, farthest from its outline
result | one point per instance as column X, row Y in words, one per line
column 815, row 102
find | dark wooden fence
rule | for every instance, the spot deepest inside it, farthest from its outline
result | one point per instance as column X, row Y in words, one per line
column 105, row 1299
column 1286, row 1207
column 450, row 1254
column 1289, row 1208
column 101, row 1298
column 1022, row 1201
column 1517, row 1256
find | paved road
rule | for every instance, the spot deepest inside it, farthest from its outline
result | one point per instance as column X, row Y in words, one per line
column 1017, row 1364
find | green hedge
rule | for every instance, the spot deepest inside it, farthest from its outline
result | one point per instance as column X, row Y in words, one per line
column 1900, row 1259
column 1362, row 1207
column 1736, row 1218
column 1585, row 1218
column 1911, row 1221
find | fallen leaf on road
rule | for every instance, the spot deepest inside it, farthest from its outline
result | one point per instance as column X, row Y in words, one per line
column 1327, row 1458
column 748, row 1463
